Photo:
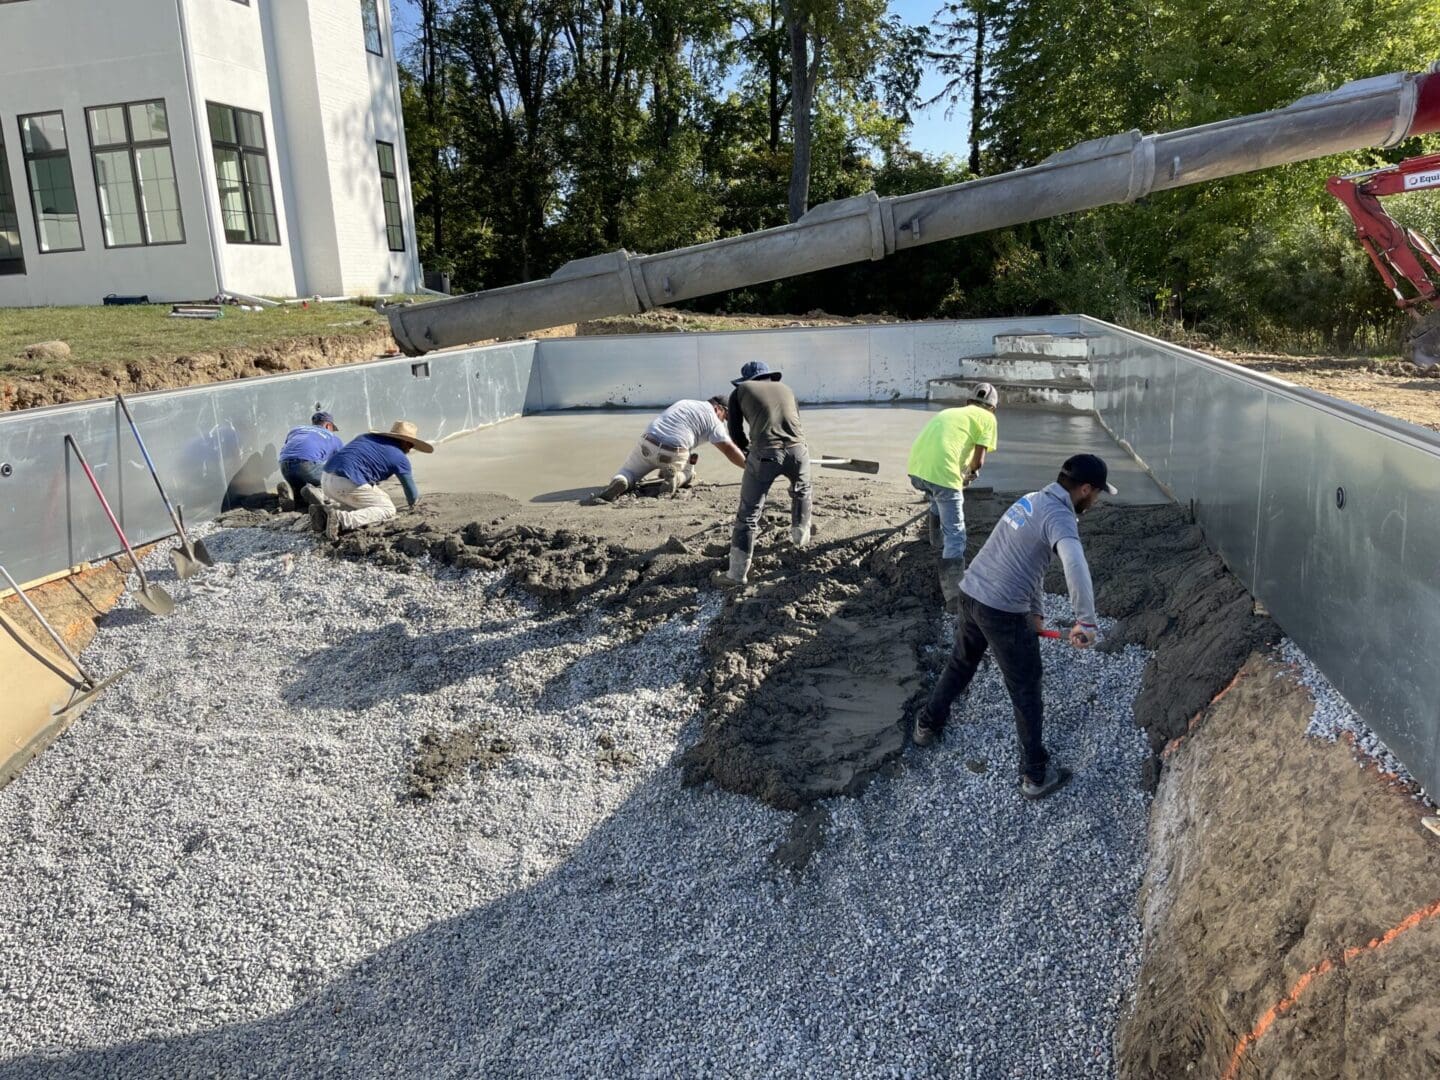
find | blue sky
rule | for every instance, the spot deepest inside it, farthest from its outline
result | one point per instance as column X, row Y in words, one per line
column 931, row 132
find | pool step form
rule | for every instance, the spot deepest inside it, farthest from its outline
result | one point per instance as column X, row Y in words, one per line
column 1042, row 346
column 998, row 369
column 1068, row 396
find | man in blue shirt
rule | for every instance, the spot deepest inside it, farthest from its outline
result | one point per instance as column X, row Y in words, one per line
column 1001, row 612
column 303, row 456
column 352, row 479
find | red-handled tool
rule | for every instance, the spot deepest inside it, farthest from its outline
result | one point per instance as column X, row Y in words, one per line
column 1049, row 633
column 151, row 597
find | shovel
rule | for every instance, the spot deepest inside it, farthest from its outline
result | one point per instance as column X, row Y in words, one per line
column 191, row 553
column 90, row 686
column 870, row 468
column 151, row 597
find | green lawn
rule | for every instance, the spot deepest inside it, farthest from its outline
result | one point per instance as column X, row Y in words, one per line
column 98, row 335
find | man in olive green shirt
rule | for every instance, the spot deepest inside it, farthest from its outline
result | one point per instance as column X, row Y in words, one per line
column 946, row 456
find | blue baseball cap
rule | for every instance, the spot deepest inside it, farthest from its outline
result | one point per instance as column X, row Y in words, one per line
column 322, row 418
column 755, row 369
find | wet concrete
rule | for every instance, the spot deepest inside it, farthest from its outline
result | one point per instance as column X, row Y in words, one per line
column 559, row 457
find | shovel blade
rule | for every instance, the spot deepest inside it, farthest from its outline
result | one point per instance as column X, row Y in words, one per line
column 185, row 565
column 199, row 551
column 155, row 600
column 870, row 468
column 83, row 699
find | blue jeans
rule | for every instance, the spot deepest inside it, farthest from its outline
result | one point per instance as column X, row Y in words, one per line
column 299, row 473
column 949, row 505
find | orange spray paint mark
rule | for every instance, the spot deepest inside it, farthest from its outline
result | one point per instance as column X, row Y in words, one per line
column 1174, row 744
column 1286, row 1003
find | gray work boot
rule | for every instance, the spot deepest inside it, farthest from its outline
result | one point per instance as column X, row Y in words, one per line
column 738, row 575
column 310, row 496
column 318, row 517
column 926, row 732
column 617, row 487
column 800, row 535
column 951, row 571
column 284, row 494
column 1056, row 777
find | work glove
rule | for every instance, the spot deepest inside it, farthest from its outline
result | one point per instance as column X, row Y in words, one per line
column 1084, row 635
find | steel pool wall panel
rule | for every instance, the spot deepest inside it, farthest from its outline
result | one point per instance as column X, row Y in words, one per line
column 824, row 365
column 213, row 444
column 1261, row 461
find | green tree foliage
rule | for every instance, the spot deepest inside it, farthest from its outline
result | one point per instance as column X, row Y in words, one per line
column 546, row 130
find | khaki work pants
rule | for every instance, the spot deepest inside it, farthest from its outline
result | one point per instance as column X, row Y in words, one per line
column 363, row 504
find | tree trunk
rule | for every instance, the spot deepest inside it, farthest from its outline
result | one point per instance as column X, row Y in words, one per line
column 772, row 58
column 431, row 74
column 802, row 87
column 977, row 83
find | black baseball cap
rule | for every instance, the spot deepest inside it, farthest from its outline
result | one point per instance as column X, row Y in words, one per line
column 1088, row 469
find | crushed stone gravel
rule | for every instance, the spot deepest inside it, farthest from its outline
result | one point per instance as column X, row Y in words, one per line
column 1335, row 718
column 218, row 871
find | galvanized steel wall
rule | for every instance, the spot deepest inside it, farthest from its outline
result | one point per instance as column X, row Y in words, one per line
column 1329, row 513
column 213, row 444
column 823, row 365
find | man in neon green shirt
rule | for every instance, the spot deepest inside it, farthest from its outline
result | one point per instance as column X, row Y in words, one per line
column 947, row 455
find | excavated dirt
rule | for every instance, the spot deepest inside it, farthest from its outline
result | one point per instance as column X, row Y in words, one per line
column 82, row 382
column 1288, row 906
column 812, row 669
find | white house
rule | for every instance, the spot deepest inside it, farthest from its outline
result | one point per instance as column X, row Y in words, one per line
column 181, row 148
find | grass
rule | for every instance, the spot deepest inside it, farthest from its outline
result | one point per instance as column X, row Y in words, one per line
column 100, row 335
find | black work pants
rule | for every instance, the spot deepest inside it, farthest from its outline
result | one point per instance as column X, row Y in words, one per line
column 1011, row 637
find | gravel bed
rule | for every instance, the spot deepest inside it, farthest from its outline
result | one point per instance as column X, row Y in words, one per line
column 1335, row 718
column 216, row 874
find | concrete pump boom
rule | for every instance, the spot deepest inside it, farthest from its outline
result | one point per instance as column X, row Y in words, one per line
column 1376, row 112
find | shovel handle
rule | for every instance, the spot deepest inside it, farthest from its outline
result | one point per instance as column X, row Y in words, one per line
column 54, row 634
column 135, row 430
column 105, row 504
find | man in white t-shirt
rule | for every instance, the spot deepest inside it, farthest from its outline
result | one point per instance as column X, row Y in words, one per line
column 669, row 445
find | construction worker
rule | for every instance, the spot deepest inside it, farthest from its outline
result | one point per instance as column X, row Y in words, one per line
column 668, row 445
column 302, row 459
column 775, row 448
column 948, row 454
column 1000, row 599
column 352, row 479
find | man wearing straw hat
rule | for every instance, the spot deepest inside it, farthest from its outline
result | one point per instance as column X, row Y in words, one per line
column 353, row 477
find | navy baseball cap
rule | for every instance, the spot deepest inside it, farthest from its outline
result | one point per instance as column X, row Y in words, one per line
column 1088, row 469
column 755, row 369
column 322, row 418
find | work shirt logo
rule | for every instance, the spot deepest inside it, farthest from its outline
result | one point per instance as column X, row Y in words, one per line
column 1018, row 516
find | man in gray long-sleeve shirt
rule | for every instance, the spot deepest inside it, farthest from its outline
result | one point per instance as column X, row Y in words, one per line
column 1000, row 610
column 775, row 447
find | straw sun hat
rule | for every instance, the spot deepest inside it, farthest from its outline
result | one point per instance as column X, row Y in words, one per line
column 406, row 432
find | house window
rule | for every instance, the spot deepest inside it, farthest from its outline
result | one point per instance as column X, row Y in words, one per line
column 242, row 169
column 52, row 184
column 135, row 174
column 390, row 193
column 370, row 16
column 12, row 259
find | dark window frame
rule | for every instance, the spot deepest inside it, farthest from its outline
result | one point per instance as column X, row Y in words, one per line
column 131, row 145
column 14, row 265
column 385, row 201
column 27, row 157
column 379, row 49
column 241, row 150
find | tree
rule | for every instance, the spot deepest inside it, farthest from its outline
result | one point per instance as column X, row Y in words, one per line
column 845, row 43
column 967, row 34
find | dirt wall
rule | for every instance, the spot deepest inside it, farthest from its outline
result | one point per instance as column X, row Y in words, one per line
column 1288, row 906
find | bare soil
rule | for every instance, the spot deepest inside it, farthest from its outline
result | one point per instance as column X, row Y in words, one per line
column 1278, row 866
column 1394, row 387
